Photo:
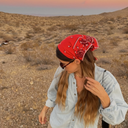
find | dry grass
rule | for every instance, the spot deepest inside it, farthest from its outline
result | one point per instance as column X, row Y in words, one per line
column 71, row 27
column 112, row 19
column 29, row 35
column 109, row 32
column 38, row 29
column 103, row 20
column 125, row 31
column 123, row 51
column 112, row 26
column 103, row 61
column 114, row 41
column 122, row 62
column 52, row 28
column 126, row 37
column 41, row 55
column 30, row 45
column 119, row 17
column 7, row 37
column 17, row 24
column 9, row 49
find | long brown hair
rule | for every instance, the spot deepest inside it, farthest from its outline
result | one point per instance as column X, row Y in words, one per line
column 87, row 104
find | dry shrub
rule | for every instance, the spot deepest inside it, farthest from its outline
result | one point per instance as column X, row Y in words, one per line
column 109, row 32
column 28, row 55
column 43, row 55
column 55, row 35
column 29, row 45
column 123, row 50
column 103, row 61
column 17, row 24
column 103, row 14
column 71, row 27
column 58, row 40
column 1, row 24
column 39, row 40
column 125, row 31
column 121, row 65
column 48, row 33
column 1, row 34
column 112, row 26
column 9, row 49
column 103, row 20
column 52, row 28
column 119, row 17
column 83, row 32
column 126, row 37
column 11, row 30
column 43, row 67
column 114, row 41
column 101, row 40
column 38, row 29
column 58, row 24
column 7, row 37
column 29, row 35
column 111, row 19
column 126, row 63
column 94, row 22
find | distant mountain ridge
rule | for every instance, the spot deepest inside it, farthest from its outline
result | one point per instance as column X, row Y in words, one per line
column 122, row 12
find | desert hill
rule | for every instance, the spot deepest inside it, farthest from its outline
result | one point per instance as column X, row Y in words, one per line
column 28, row 61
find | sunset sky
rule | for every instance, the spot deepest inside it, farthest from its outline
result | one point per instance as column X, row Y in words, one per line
column 61, row 7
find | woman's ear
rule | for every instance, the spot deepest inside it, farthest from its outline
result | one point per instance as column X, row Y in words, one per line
column 77, row 61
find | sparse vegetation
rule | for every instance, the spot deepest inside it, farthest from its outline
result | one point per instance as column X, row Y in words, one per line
column 10, row 49
column 26, row 75
column 123, row 63
column 112, row 26
column 71, row 27
column 125, row 30
column 30, row 45
column 7, row 37
column 38, row 29
column 40, row 56
column 114, row 41
column 52, row 28
column 104, row 61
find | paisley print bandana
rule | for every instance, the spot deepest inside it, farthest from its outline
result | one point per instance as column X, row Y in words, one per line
column 75, row 46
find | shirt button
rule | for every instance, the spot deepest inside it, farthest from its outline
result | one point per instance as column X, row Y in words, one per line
column 74, row 94
column 73, row 120
column 73, row 82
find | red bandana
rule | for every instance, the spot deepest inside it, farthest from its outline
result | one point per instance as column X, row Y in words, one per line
column 75, row 46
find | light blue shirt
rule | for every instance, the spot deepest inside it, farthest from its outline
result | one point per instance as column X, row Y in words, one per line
column 114, row 114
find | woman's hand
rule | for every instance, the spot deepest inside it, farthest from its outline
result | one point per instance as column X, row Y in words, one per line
column 42, row 116
column 96, row 88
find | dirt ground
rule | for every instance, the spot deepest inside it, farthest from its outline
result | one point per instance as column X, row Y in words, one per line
column 28, row 62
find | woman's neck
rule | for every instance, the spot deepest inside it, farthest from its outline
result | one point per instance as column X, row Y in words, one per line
column 78, row 73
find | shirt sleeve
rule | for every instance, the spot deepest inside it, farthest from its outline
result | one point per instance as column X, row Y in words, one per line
column 52, row 91
column 115, row 113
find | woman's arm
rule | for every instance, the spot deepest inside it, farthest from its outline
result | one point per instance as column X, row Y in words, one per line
column 115, row 113
column 113, row 107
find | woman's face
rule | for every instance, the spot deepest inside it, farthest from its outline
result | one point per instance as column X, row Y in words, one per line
column 72, row 67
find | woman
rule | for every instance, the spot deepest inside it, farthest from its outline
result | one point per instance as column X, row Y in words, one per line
column 81, row 90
